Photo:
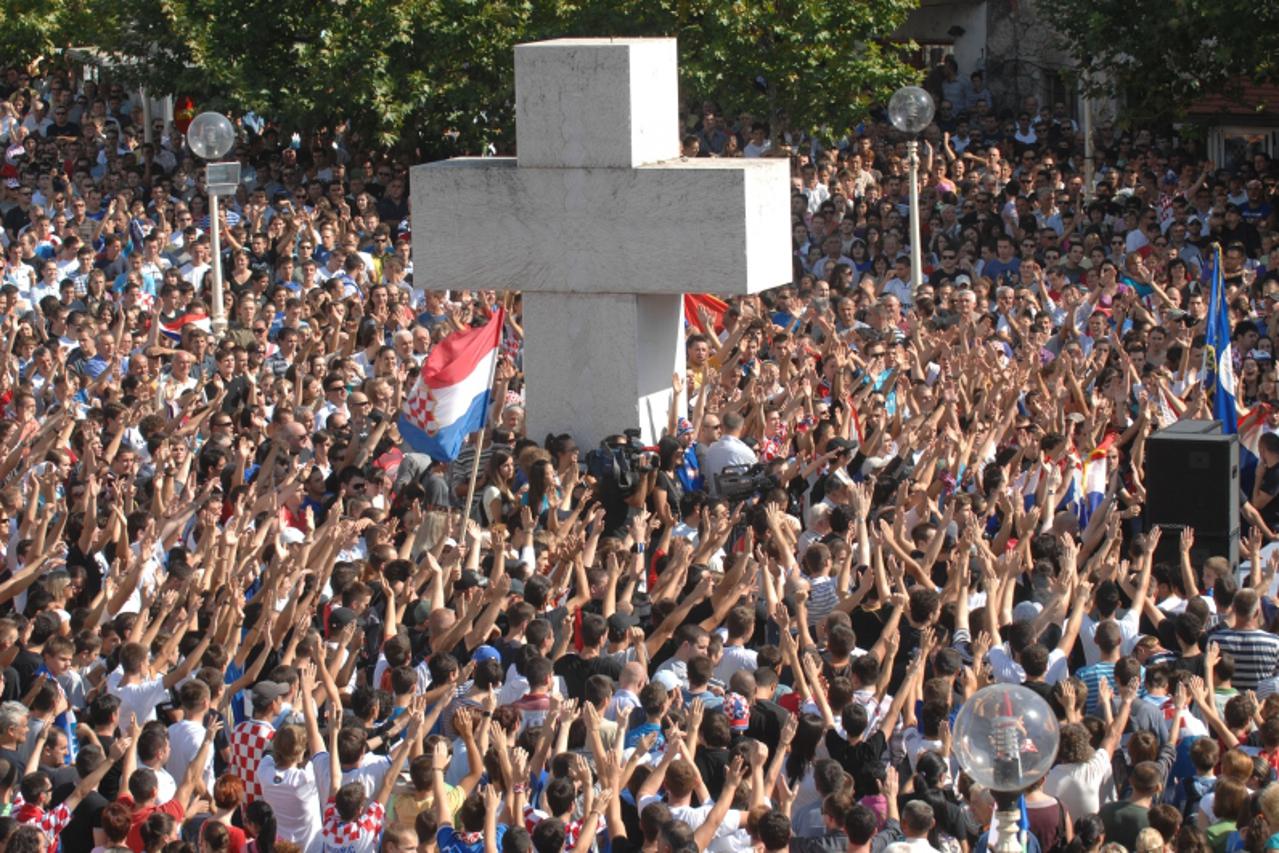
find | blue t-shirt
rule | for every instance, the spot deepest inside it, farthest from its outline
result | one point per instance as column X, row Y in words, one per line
column 450, row 841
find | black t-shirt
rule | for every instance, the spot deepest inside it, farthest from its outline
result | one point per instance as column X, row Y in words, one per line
column 711, row 764
column 64, row 777
column 868, row 625
column 78, row 833
column 507, row 649
column 1045, row 691
column 1270, row 485
column 26, row 664
column 858, row 759
column 575, row 670
column 15, row 760
column 766, row 722
column 109, row 787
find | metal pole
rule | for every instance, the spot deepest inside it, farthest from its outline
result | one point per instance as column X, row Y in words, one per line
column 916, row 250
column 146, row 116
column 219, row 309
column 479, row 437
column 1086, row 115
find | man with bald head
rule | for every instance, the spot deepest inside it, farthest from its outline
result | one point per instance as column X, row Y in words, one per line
column 626, row 698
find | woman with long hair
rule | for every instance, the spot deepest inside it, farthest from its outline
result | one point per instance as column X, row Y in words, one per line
column 1090, row 835
column 497, row 499
column 259, row 825
column 933, row 786
column 803, row 752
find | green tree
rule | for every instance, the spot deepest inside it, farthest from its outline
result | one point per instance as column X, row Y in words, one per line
column 813, row 66
column 34, row 29
column 437, row 76
column 1160, row 56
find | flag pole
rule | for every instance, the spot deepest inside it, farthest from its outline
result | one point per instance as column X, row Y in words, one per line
column 479, row 439
column 1212, row 304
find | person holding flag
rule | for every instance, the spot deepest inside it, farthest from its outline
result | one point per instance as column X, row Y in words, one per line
column 452, row 395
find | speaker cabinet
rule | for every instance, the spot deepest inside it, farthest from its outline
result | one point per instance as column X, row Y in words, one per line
column 1192, row 479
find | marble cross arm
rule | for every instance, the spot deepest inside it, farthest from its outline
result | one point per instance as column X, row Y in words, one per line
column 697, row 225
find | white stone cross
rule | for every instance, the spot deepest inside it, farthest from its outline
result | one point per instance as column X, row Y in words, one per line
column 603, row 226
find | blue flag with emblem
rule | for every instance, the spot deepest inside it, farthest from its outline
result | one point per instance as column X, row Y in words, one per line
column 1219, row 372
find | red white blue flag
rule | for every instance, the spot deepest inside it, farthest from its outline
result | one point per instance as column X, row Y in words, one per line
column 451, row 397
column 173, row 330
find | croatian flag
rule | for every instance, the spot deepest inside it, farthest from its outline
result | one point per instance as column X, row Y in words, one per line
column 1095, row 479
column 1252, row 423
column 1219, row 368
column 451, row 397
column 173, row 330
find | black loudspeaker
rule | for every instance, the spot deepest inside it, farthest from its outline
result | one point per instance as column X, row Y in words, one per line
column 1192, row 478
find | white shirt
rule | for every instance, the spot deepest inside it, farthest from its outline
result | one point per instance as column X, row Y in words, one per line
column 165, row 787
column 620, row 706
column 735, row 658
column 185, row 739
column 294, row 796
column 728, row 451
column 695, row 816
column 1129, row 629
column 1079, row 786
column 370, row 773
column 140, row 700
column 1009, row 671
column 516, row 687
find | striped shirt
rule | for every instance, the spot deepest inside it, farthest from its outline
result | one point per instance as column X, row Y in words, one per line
column 822, row 598
column 1256, row 655
column 1091, row 676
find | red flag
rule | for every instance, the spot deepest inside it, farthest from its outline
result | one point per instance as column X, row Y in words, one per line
column 713, row 305
column 183, row 112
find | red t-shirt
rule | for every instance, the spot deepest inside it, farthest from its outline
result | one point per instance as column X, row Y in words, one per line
column 140, row 815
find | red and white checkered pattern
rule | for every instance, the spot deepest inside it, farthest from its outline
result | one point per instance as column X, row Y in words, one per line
column 249, row 742
column 358, row 836
column 572, row 828
column 419, row 408
column 51, row 822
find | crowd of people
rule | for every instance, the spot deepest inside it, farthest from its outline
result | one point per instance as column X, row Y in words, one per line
column 238, row 613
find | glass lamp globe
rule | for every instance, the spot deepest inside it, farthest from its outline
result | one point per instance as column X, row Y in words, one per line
column 211, row 135
column 1006, row 737
column 910, row 109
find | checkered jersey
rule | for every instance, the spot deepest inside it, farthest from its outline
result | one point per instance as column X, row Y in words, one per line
column 572, row 828
column 51, row 822
column 358, row 836
column 249, row 742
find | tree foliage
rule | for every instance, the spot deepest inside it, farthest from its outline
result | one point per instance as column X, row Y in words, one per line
column 1161, row 56
column 437, row 76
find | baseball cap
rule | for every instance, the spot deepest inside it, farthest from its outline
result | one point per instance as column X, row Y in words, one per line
column 265, row 692
column 962, row 278
column 470, row 579
column 620, row 623
column 667, row 679
column 416, row 615
column 485, row 653
column 340, row 617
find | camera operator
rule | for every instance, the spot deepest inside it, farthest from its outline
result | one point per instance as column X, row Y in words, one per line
column 624, row 473
column 728, row 451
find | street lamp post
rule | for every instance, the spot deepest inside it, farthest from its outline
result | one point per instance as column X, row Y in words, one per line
column 911, row 110
column 1005, row 737
column 211, row 136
